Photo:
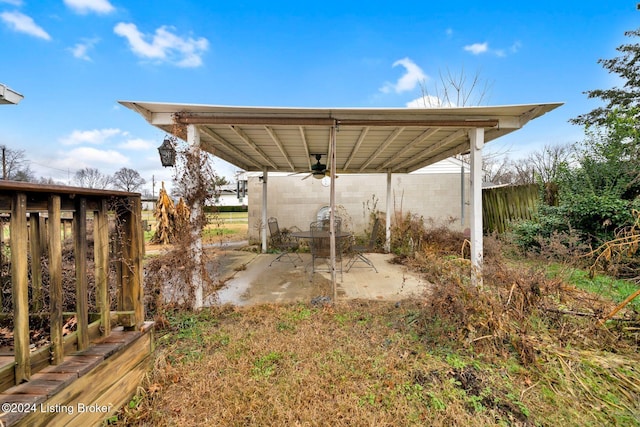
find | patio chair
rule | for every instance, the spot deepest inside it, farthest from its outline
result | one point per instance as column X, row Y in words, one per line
column 283, row 242
column 320, row 246
column 360, row 250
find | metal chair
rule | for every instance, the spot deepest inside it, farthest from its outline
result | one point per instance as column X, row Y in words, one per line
column 283, row 242
column 360, row 250
column 320, row 246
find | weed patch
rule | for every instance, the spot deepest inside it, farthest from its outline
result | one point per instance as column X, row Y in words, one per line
column 524, row 349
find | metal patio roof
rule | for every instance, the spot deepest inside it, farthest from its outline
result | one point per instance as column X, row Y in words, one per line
column 369, row 140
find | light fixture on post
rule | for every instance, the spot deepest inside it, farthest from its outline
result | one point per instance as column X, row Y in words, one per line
column 167, row 153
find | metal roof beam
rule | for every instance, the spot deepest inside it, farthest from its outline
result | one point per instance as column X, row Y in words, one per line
column 207, row 119
column 201, row 119
column 418, row 140
column 253, row 145
column 458, row 149
column 280, row 146
column 407, row 164
column 467, row 123
column 236, row 157
column 305, row 144
column 383, row 147
column 356, row 147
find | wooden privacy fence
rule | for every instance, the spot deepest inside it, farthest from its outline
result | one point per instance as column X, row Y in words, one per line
column 501, row 205
column 36, row 217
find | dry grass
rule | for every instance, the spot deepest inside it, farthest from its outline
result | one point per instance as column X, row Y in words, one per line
column 352, row 364
column 509, row 353
column 362, row 363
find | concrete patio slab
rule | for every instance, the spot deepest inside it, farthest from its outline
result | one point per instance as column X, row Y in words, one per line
column 250, row 280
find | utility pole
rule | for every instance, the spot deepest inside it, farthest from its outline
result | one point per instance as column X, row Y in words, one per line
column 4, row 163
column 153, row 186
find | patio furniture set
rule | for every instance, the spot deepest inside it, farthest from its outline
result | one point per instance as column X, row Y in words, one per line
column 318, row 238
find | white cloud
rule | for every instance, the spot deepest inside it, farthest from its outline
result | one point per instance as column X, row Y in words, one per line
column 409, row 80
column 137, row 144
column 80, row 50
column 24, row 24
column 477, row 48
column 84, row 7
column 481, row 48
column 164, row 46
column 429, row 101
column 12, row 2
column 95, row 137
column 82, row 157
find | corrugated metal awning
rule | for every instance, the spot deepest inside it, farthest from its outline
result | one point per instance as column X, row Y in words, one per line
column 369, row 140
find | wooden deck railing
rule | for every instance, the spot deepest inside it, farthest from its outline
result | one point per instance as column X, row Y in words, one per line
column 37, row 215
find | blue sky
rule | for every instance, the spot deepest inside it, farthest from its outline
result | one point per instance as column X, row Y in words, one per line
column 74, row 59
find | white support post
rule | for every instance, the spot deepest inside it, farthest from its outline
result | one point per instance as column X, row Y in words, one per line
column 197, row 279
column 476, row 137
column 387, row 227
column 332, row 215
column 263, row 228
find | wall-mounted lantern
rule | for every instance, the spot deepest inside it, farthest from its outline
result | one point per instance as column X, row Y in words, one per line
column 167, row 153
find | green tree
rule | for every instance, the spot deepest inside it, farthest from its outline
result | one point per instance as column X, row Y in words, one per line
column 600, row 190
column 625, row 97
column 600, row 185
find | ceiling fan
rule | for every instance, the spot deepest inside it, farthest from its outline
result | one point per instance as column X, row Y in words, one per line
column 318, row 170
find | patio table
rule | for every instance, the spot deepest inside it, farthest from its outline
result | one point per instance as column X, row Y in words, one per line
column 320, row 245
column 319, row 234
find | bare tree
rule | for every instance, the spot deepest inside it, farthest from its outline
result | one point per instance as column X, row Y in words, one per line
column 15, row 165
column 548, row 161
column 497, row 170
column 523, row 172
column 454, row 90
column 547, row 164
column 128, row 180
column 92, row 178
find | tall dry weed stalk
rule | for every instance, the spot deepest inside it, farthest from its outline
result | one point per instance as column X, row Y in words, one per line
column 620, row 254
column 509, row 312
column 170, row 219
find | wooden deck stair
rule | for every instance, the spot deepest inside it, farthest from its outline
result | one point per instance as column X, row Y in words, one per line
column 86, row 388
column 81, row 377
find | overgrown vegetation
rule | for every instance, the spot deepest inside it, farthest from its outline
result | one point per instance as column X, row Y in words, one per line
column 526, row 349
column 598, row 186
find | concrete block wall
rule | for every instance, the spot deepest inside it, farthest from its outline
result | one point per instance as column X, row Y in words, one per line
column 296, row 202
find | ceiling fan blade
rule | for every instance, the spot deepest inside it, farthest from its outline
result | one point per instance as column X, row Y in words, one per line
column 306, row 176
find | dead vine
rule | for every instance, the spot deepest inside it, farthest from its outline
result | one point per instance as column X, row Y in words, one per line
column 181, row 276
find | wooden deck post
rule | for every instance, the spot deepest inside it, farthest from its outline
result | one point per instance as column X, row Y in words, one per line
column 20, row 287
column 2, row 257
column 133, row 252
column 35, row 247
column 80, row 249
column 101, row 256
column 130, row 217
column 55, row 280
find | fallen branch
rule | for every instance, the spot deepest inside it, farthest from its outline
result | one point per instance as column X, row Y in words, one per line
column 620, row 306
column 583, row 314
